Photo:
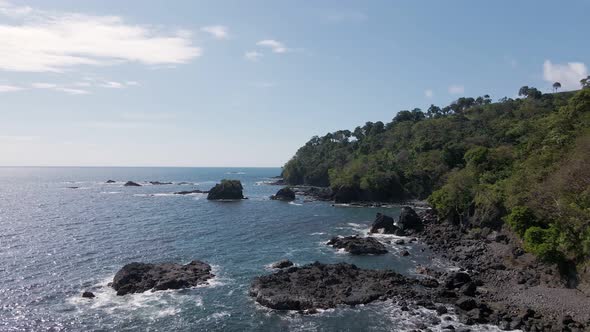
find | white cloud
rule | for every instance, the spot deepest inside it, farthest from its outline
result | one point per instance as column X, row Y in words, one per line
column 43, row 41
column 456, row 89
column 72, row 91
column 42, row 85
column 428, row 93
column 217, row 31
column 569, row 75
column 275, row 46
column 253, row 55
column 132, row 83
column 10, row 88
column 112, row 85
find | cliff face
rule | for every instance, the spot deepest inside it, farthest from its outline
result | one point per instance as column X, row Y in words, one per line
column 480, row 164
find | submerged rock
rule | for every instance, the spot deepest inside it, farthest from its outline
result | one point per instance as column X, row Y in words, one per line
column 384, row 224
column 322, row 286
column 282, row 264
column 284, row 194
column 188, row 192
column 357, row 245
column 227, row 189
column 131, row 184
column 140, row 277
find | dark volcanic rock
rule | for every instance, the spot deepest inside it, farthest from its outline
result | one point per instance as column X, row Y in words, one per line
column 384, row 224
column 88, row 295
column 357, row 245
column 158, row 183
column 188, row 192
column 111, row 181
column 227, row 189
column 346, row 195
column 132, row 184
column 322, row 286
column 282, row 264
column 318, row 193
column 140, row 277
column 409, row 220
column 284, row 194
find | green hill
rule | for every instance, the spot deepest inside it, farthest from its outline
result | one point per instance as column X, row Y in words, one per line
column 525, row 162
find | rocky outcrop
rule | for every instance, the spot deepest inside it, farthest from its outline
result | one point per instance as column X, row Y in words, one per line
column 357, row 245
column 131, row 184
column 284, row 194
column 282, row 264
column 316, row 193
column 88, row 295
column 111, row 181
column 409, row 221
column 384, row 224
column 322, row 286
column 140, row 277
column 188, row 192
column 227, row 189
column 158, row 183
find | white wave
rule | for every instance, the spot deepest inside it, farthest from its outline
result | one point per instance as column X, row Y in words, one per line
column 318, row 233
column 110, row 192
column 296, row 204
column 355, row 225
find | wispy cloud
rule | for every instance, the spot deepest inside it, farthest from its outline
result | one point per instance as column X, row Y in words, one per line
column 43, row 41
column 428, row 93
column 253, row 55
column 275, row 46
column 217, row 31
column 569, row 74
column 10, row 88
column 81, row 88
column 456, row 89
column 72, row 91
column 112, row 85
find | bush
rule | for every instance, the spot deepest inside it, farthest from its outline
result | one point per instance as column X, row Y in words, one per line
column 543, row 243
column 520, row 219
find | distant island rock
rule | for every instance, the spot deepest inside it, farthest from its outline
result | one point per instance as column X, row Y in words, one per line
column 111, row 181
column 284, row 194
column 158, row 183
column 227, row 189
column 131, row 184
column 357, row 245
column 140, row 277
column 188, row 192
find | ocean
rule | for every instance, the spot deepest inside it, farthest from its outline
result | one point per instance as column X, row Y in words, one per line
column 63, row 230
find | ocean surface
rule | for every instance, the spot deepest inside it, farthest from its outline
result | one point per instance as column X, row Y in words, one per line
column 57, row 241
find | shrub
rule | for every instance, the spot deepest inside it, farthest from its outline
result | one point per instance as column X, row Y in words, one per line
column 520, row 219
column 543, row 243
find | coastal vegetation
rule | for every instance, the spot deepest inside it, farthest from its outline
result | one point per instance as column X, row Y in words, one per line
column 521, row 162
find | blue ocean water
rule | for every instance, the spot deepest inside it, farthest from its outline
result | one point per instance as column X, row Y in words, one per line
column 56, row 242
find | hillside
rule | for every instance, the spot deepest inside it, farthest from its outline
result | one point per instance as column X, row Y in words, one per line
column 524, row 162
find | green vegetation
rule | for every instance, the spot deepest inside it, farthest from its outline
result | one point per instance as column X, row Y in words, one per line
column 480, row 164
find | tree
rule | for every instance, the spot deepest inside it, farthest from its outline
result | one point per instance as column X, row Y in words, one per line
column 585, row 82
column 556, row 86
column 530, row 92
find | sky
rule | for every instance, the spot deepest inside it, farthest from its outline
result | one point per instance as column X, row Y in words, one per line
column 246, row 83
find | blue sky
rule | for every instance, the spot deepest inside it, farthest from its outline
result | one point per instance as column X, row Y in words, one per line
column 245, row 83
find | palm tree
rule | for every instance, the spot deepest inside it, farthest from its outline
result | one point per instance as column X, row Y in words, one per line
column 556, row 86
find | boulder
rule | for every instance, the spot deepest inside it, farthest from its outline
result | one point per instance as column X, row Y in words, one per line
column 88, row 295
column 384, row 224
column 140, row 277
column 357, row 245
column 227, row 189
column 323, row 286
column 409, row 220
column 284, row 194
column 282, row 264
column 131, row 184
column 111, row 181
